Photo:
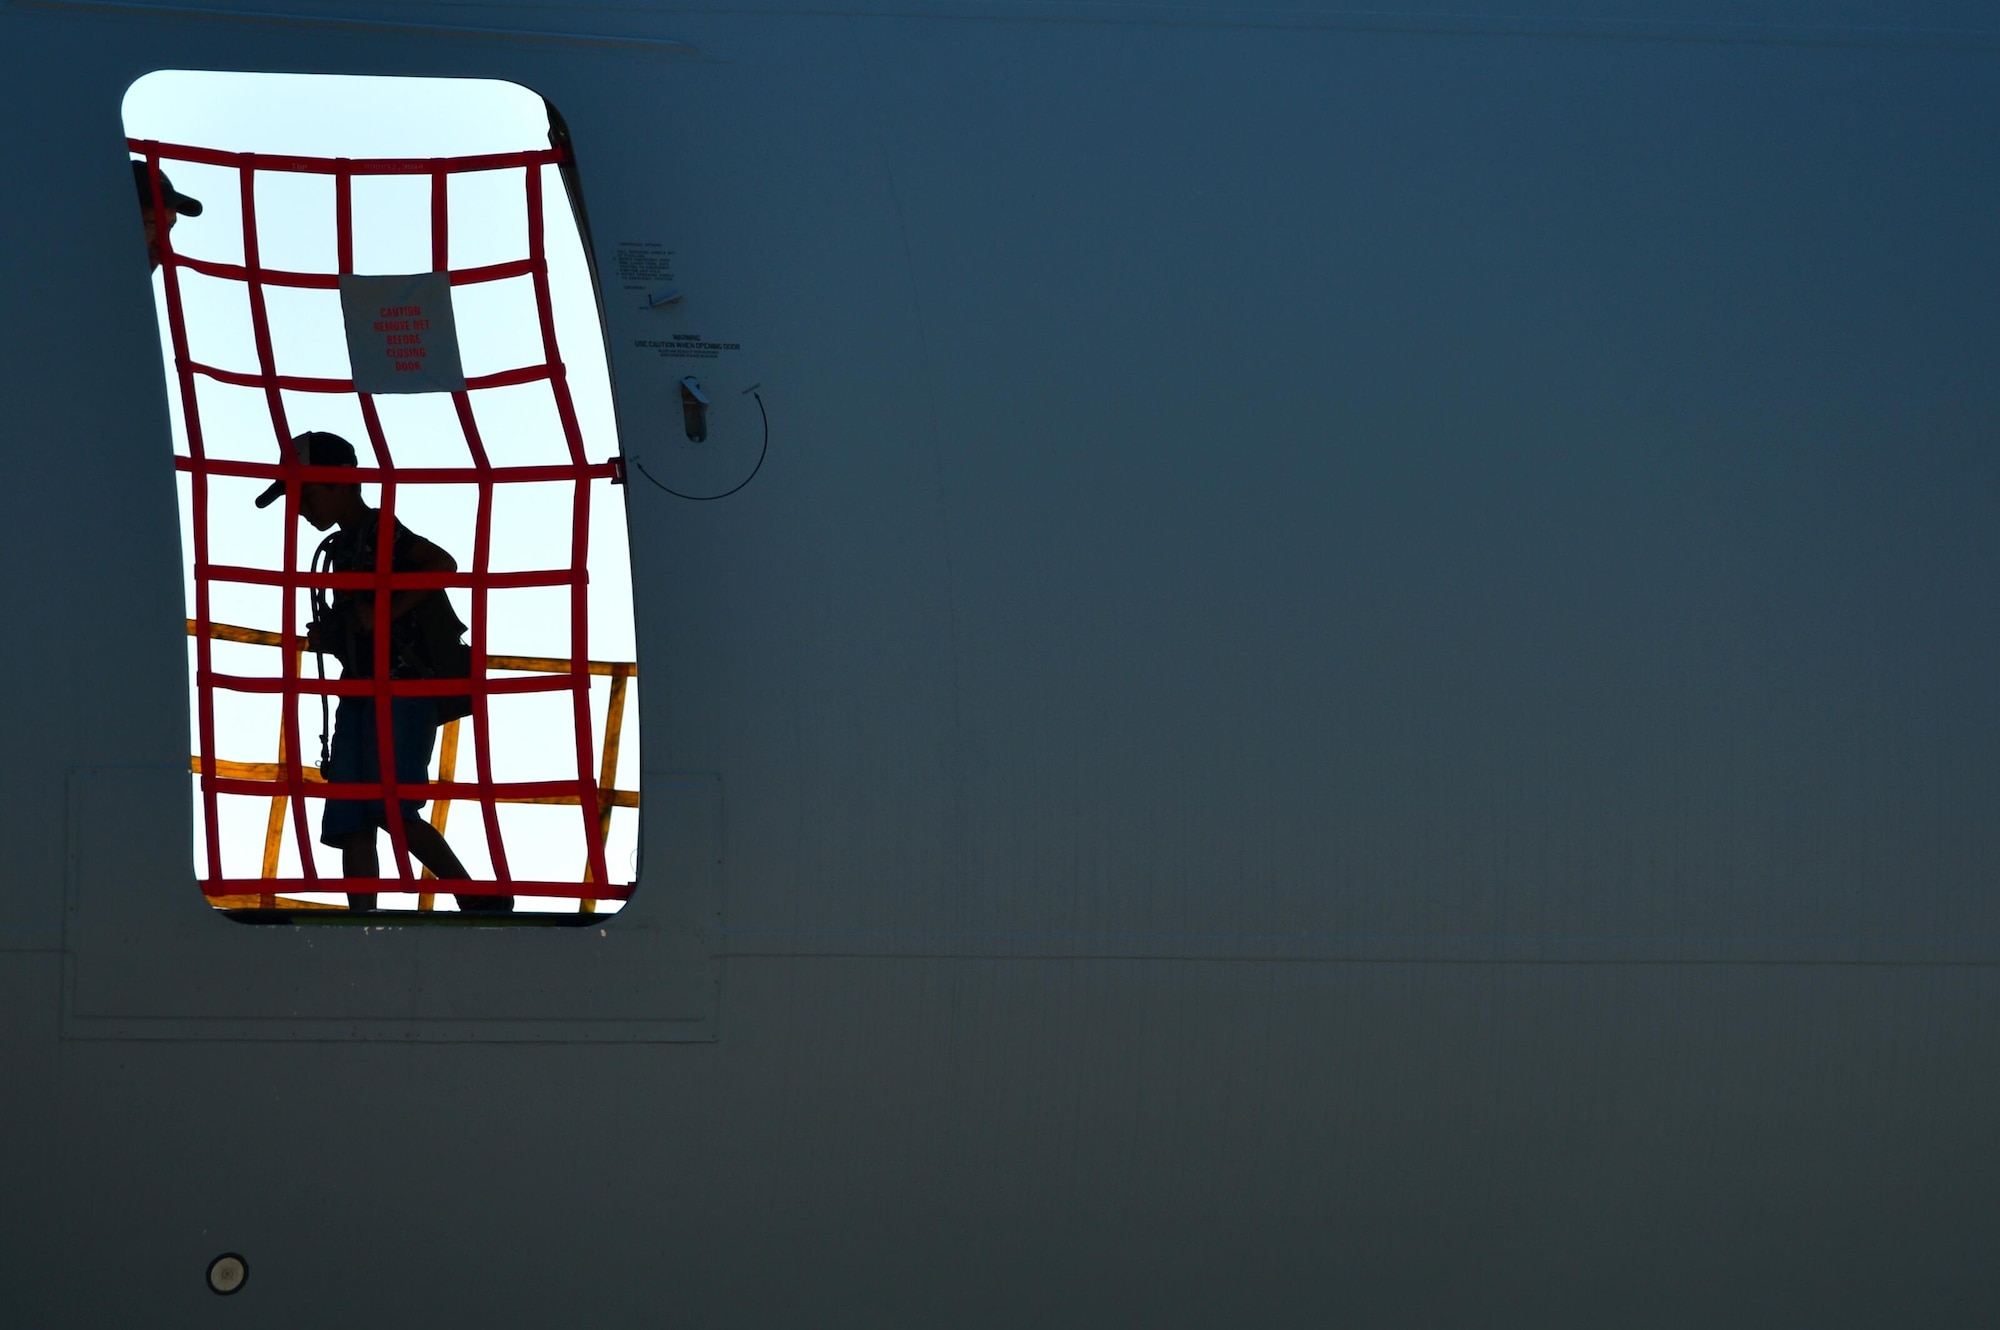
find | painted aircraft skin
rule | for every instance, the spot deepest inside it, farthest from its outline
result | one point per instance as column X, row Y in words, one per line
column 1358, row 690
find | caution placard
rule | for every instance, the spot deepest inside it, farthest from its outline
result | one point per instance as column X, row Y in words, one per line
column 401, row 336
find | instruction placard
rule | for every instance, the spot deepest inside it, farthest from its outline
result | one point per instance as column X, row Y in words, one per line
column 642, row 261
column 686, row 346
column 401, row 336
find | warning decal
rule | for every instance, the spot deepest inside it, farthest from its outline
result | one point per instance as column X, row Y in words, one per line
column 401, row 336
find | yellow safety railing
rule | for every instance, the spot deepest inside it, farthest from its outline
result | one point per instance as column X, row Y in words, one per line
column 621, row 673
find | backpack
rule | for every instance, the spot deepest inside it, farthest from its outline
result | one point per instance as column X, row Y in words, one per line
column 439, row 651
column 433, row 648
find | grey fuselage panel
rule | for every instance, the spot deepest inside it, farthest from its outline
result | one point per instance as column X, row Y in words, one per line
column 1358, row 688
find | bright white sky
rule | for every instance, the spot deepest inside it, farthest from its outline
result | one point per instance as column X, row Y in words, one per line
column 341, row 116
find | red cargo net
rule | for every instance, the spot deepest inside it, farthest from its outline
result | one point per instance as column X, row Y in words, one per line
column 479, row 580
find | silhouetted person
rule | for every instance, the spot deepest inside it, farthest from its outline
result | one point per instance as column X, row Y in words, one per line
column 424, row 643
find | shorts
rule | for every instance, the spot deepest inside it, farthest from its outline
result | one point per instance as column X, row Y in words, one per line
column 353, row 760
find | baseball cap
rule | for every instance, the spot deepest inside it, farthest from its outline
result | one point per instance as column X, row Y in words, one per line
column 313, row 448
column 176, row 200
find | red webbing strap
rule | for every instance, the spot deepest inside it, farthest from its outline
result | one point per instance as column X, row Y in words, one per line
column 303, row 384
column 385, row 553
column 440, row 228
column 408, row 475
column 381, row 687
column 579, row 618
column 257, row 683
column 229, row 572
column 328, row 281
column 519, row 791
column 288, row 699
column 343, row 220
column 481, row 687
column 482, row 727
column 250, row 886
column 204, row 652
column 351, row 166
column 482, row 555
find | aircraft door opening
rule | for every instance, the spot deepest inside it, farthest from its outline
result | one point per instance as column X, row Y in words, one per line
column 378, row 316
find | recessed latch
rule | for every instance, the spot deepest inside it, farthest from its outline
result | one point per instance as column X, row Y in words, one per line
column 694, row 410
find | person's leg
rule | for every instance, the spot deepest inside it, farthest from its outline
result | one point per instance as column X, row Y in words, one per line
column 416, row 736
column 354, row 760
column 431, row 849
column 433, row 842
column 349, row 825
column 428, row 844
column 471, row 904
column 358, row 859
